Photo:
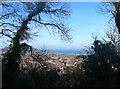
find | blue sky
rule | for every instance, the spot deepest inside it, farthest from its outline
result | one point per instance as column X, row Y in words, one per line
column 85, row 19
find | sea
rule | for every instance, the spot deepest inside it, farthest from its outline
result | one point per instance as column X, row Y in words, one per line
column 67, row 51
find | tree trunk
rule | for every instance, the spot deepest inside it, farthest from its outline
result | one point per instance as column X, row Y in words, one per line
column 13, row 55
column 117, row 21
column 118, row 45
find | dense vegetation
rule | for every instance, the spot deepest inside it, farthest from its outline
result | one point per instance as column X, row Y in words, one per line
column 100, row 68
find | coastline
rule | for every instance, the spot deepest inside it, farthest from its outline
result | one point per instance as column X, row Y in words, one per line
column 67, row 51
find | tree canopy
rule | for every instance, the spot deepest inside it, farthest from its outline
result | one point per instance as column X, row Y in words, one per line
column 47, row 14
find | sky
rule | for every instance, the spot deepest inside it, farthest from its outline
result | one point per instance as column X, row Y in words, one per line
column 63, row 0
column 85, row 19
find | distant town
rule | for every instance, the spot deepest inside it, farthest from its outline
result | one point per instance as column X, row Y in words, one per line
column 55, row 61
column 58, row 63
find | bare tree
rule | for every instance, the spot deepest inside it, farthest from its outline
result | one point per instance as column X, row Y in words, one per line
column 42, row 15
column 20, row 19
column 112, row 8
column 112, row 35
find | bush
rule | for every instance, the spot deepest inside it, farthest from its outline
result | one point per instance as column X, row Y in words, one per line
column 102, row 65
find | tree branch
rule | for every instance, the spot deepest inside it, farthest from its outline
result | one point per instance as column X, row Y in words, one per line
column 52, row 10
column 10, row 25
column 7, row 14
column 58, row 26
column 5, row 35
column 47, row 24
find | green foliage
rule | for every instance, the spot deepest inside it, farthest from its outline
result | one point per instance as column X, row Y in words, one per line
column 102, row 65
column 100, row 69
column 81, row 56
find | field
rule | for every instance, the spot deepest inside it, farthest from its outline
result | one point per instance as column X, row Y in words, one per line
column 62, row 55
